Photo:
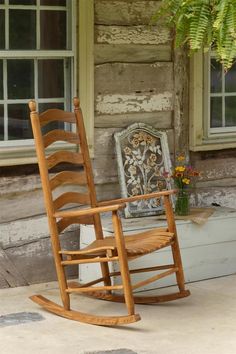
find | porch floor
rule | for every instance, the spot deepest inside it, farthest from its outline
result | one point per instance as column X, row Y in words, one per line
column 204, row 323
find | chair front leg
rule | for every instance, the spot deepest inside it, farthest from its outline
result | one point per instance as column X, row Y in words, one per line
column 123, row 261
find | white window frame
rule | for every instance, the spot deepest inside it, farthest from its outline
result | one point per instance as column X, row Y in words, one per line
column 202, row 137
column 24, row 151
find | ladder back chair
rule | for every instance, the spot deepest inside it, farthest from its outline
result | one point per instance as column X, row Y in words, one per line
column 103, row 250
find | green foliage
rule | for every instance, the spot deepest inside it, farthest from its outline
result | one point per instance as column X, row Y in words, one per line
column 203, row 24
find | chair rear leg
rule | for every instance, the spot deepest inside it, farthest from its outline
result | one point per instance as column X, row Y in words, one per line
column 106, row 274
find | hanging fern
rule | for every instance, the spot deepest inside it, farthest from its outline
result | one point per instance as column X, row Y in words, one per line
column 199, row 23
column 203, row 24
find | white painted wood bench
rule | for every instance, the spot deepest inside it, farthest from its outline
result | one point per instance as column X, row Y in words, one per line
column 207, row 250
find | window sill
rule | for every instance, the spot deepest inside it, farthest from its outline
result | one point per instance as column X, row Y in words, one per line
column 13, row 156
column 210, row 145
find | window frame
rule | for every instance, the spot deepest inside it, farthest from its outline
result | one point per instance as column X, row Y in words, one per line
column 201, row 136
column 24, row 151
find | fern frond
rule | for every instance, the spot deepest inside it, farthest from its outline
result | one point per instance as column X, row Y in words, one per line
column 226, row 41
column 199, row 23
column 203, row 23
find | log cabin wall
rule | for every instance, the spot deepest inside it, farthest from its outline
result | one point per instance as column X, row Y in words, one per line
column 218, row 182
column 138, row 78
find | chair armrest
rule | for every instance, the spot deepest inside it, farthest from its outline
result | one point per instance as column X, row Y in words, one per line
column 138, row 197
column 86, row 212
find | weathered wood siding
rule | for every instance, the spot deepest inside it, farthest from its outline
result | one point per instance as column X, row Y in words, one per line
column 138, row 78
column 134, row 78
column 25, row 252
column 218, row 181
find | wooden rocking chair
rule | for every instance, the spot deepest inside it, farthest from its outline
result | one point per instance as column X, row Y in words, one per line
column 102, row 250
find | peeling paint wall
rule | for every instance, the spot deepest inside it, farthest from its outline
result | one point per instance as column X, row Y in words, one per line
column 138, row 78
column 218, row 177
column 134, row 78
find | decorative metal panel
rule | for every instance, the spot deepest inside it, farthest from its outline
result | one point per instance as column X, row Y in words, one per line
column 143, row 157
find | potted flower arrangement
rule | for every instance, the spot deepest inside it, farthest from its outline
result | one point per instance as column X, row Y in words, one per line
column 183, row 176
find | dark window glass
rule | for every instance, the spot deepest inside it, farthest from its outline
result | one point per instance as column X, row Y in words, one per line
column 22, row 2
column 230, row 80
column 216, row 76
column 22, row 32
column 1, row 79
column 20, row 78
column 2, row 29
column 53, row 2
column 216, row 112
column 53, row 125
column 44, row 106
column 19, row 126
column 1, row 122
column 51, row 78
column 53, row 29
column 230, row 111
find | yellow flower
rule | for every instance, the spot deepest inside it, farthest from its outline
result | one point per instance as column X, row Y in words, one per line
column 186, row 180
column 180, row 168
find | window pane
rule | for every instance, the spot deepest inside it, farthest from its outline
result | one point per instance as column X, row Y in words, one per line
column 1, row 122
column 230, row 111
column 230, row 80
column 216, row 76
column 22, row 32
column 53, row 125
column 216, row 112
column 19, row 126
column 22, row 2
column 53, row 29
column 53, row 2
column 20, row 74
column 2, row 29
column 1, row 79
column 44, row 106
column 51, row 78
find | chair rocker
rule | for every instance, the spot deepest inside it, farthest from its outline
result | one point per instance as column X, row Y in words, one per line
column 103, row 250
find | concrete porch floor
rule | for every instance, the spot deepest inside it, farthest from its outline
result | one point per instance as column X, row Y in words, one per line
column 204, row 323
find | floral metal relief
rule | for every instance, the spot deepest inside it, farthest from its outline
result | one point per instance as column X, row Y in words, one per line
column 143, row 157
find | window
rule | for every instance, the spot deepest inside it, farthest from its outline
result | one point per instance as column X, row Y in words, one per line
column 212, row 104
column 37, row 60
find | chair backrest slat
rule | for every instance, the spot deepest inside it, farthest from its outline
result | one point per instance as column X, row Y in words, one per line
column 60, row 135
column 64, row 156
column 65, row 222
column 52, row 115
column 68, row 177
column 71, row 198
column 70, row 167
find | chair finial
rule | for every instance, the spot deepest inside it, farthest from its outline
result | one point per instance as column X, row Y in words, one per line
column 76, row 102
column 32, row 106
